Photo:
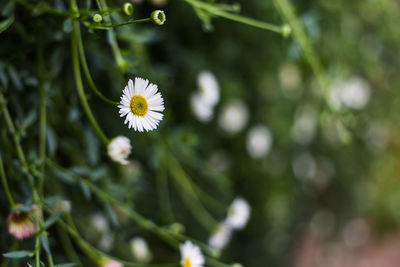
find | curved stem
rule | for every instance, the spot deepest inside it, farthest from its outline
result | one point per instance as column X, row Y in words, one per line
column 5, row 184
column 238, row 18
column 79, row 86
column 108, row 26
column 86, row 69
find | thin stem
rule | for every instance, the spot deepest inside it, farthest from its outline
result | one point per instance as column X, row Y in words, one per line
column 86, row 69
column 102, row 5
column 187, row 192
column 287, row 12
column 5, row 184
column 43, row 8
column 108, row 26
column 79, row 86
column 163, row 192
column 238, row 18
column 42, row 120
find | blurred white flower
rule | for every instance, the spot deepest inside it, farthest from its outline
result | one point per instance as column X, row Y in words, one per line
column 119, row 149
column 208, row 88
column 106, row 241
column 62, row 205
column 353, row 93
column 304, row 126
column 356, row 233
column 290, row 79
column 234, row 116
column 140, row 249
column 221, row 236
column 191, row 255
column 356, row 93
column 112, row 263
column 304, row 166
column 259, row 141
column 99, row 222
column 141, row 104
column 238, row 213
column 201, row 109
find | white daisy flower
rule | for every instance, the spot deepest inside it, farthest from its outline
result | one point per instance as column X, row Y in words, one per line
column 140, row 249
column 208, row 87
column 234, row 116
column 221, row 236
column 191, row 255
column 356, row 93
column 119, row 149
column 201, row 109
column 259, row 141
column 141, row 104
column 238, row 213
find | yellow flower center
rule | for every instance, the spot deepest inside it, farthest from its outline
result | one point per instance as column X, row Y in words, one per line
column 138, row 105
column 186, row 263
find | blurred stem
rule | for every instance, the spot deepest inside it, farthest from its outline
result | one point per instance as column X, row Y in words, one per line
column 43, row 119
column 97, row 255
column 102, row 5
column 110, row 26
column 287, row 12
column 215, row 10
column 21, row 156
column 79, row 85
column 86, row 69
column 163, row 192
column 188, row 194
column 5, row 184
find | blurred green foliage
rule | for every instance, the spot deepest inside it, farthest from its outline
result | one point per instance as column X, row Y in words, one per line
column 349, row 167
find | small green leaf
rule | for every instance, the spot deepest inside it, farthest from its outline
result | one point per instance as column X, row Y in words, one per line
column 22, row 208
column 6, row 23
column 50, row 221
column 45, row 244
column 68, row 25
column 65, row 265
column 17, row 254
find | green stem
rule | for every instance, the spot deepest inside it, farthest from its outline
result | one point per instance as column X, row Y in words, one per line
column 108, row 26
column 287, row 12
column 43, row 119
column 5, row 184
column 188, row 194
column 238, row 18
column 79, row 86
column 102, row 5
column 86, row 69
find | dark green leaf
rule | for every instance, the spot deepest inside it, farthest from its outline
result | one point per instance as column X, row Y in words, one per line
column 6, row 23
column 45, row 244
column 65, row 265
column 50, row 221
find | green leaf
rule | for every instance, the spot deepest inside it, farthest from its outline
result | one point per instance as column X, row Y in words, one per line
column 6, row 23
column 68, row 25
column 50, row 221
column 22, row 208
column 17, row 254
column 45, row 244
column 65, row 265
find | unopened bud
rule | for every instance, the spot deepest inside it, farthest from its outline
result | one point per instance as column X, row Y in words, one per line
column 127, row 8
column 158, row 17
column 286, row 30
column 97, row 18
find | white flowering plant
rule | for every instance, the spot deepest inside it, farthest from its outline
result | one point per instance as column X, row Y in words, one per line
column 193, row 133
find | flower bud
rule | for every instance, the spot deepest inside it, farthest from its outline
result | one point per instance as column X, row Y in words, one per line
column 127, row 8
column 158, row 17
column 97, row 18
column 286, row 30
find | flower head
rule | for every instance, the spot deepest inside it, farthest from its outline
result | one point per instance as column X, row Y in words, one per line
column 208, row 88
column 238, row 213
column 111, row 263
column 141, row 104
column 21, row 224
column 158, row 17
column 119, row 149
column 140, row 249
column 220, row 238
column 259, row 141
column 201, row 109
column 234, row 116
column 191, row 255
